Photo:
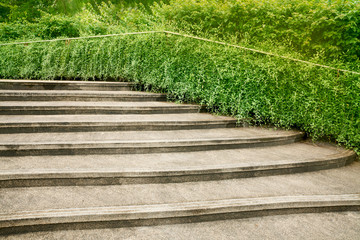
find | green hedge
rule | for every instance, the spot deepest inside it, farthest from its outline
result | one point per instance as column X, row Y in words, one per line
column 306, row 26
column 322, row 102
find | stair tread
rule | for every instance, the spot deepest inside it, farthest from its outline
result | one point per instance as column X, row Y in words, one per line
column 183, row 209
column 76, row 92
column 341, row 181
column 56, row 82
column 94, row 107
column 184, row 163
column 43, row 104
column 28, row 197
column 251, row 133
column 113, row 118
column 334, row 225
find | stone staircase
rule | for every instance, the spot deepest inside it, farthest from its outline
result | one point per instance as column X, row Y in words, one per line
column 96, row 155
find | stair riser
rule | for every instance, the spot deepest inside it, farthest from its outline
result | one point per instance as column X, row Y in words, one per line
column 79, row 110
column 83, row 98
column 65, row 86
column 115, row 127
column 30, row 208
column 102, row 179
column 172, row 220
column 35, row 150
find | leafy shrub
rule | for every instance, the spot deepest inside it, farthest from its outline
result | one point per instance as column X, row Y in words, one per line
column 48, row 27
column 307, row 26
column 53, row 26
column 322, row 102
column 119, row 18
column 96, row 19
column 247, row 85
column 16, row 31
column 5, row 10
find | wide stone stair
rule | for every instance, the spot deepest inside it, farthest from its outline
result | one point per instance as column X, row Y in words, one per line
column 97, row 155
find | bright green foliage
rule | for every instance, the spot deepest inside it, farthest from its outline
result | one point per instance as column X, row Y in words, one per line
column 31, row 10
column 57, row 26
column 250, row 86
column 104, row 18
column 247, row 85
column 21, row 10
column 306, row 26
column 48, row 27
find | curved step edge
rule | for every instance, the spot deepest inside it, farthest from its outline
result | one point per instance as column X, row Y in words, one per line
column 132, row 96
column 20, row 84
column 60, row 177
column 124, row 216
column 54, row 110
column 55, row 82
column 38, row 127
column 132, row 147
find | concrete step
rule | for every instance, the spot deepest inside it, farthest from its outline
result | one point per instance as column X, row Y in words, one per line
column 76, row 207
column 64, row 107
column 314, row 226
column 65, row 85
column 74, row 155
column 79, row 95
column 131, row 142
column 165, row 213
column 111, row 122
column 75, row 170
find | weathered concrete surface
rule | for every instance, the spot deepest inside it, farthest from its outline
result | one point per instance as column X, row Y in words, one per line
column 66, row 107
column 170, row 167
column 90, row 104
column 284, row 154
column 117, row 118
column 131, row 142
column 122, row 118
column 79, row 95
column 314, row 226
column 337, row 181
column 141, row 136
column 157, row 214
column 180, row 174
column 112, row 122
column 64, row 85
